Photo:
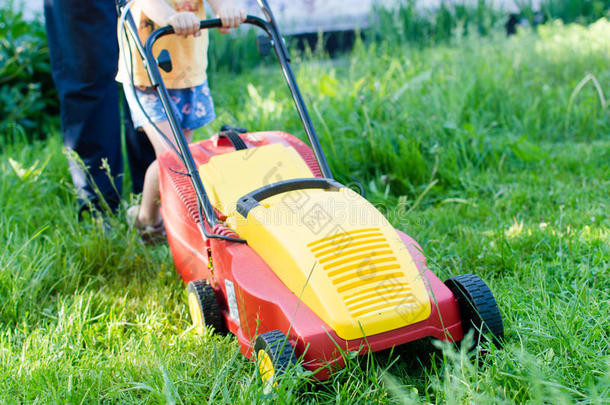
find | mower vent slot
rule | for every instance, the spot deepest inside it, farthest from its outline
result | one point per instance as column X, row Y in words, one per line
column 393, row 303
column 361, row 252
column 363, row 268
column 376, row 238
column 341, row 238
column 184, row 188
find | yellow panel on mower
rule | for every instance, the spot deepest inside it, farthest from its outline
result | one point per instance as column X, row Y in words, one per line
column 229, row 176
column 331, row 248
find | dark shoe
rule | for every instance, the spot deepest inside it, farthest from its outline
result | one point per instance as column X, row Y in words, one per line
column 150, row 234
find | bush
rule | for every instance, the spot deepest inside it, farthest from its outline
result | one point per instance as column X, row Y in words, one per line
column 581, row 11
column 233, row 52
column 28, row 98
column 410, row 23
column 27, row 94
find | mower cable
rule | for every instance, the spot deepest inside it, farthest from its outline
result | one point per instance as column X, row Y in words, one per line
column 179, row 172
column 213, row 235
column 129, row 68
column 123, row 33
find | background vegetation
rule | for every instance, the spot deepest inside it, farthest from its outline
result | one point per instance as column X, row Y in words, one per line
column 27, row 95
column 491, row 151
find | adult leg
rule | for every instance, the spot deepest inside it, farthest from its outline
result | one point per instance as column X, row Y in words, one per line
column 84, row 55
column 140, row 153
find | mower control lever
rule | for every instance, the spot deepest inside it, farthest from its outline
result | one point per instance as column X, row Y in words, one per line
column 164, row 61
column 264, row 44
column 251, row 200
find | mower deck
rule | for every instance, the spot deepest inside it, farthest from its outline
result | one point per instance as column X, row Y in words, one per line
column 252, row 297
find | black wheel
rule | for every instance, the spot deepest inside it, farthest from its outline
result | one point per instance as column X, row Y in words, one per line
column 203, row 307
column 274, row 354
column 478, row 307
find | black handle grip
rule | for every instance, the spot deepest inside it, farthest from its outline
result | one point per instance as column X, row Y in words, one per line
column 251, row 200
column 204, row 25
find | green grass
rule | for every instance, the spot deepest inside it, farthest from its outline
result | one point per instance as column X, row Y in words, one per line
column 492, row 152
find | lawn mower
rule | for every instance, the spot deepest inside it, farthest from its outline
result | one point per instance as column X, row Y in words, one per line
column 296, row 265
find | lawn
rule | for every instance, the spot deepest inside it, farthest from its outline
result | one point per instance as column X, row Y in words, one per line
column 494, row 153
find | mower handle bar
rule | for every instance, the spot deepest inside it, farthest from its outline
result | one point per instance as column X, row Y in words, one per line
column 204, row 25
column 252, row 200
column 277, row 42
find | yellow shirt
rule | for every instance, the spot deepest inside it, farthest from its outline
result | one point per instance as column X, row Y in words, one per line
column 188, row 55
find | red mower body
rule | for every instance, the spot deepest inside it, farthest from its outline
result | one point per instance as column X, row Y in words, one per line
column 264, row 303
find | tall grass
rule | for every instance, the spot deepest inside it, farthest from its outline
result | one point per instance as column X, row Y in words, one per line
column 28, row 97
column 407, row 117
column 492, row 152
column 234, row 52
column 410, row 22
column 582, row 11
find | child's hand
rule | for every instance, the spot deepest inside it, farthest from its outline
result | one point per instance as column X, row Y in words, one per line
column 185, row 23
column 231, row 17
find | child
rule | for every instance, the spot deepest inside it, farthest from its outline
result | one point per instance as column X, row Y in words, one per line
column 187, row 86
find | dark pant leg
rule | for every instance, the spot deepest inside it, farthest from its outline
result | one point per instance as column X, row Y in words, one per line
column 84, row 58
column 140, row 152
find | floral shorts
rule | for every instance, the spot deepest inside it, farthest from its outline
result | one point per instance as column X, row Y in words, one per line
column 193, row 107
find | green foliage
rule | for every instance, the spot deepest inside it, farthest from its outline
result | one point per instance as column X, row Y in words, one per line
column 233, row 52
column 411, row 23
column 397, row 118
column 582, row 11
column 27, row 94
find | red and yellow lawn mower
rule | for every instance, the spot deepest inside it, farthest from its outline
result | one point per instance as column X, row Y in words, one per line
column 293, row 263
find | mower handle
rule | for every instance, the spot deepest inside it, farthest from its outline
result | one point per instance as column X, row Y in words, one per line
column 251, row 200
column 204, row 25
column 277, row 42
column 266, row 26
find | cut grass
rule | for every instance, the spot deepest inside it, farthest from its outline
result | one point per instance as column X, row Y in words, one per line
column 481, row 150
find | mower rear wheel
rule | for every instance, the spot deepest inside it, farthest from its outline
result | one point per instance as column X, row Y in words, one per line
column 204, row 307
column 274, row 354
column 478, row 308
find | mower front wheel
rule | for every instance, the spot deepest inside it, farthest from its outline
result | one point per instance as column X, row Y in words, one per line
column 274, row 354
column 204, row 307
column 478, row 308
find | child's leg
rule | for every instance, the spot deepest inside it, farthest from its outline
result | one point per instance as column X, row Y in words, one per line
column 149, row 213
column 149, row 208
